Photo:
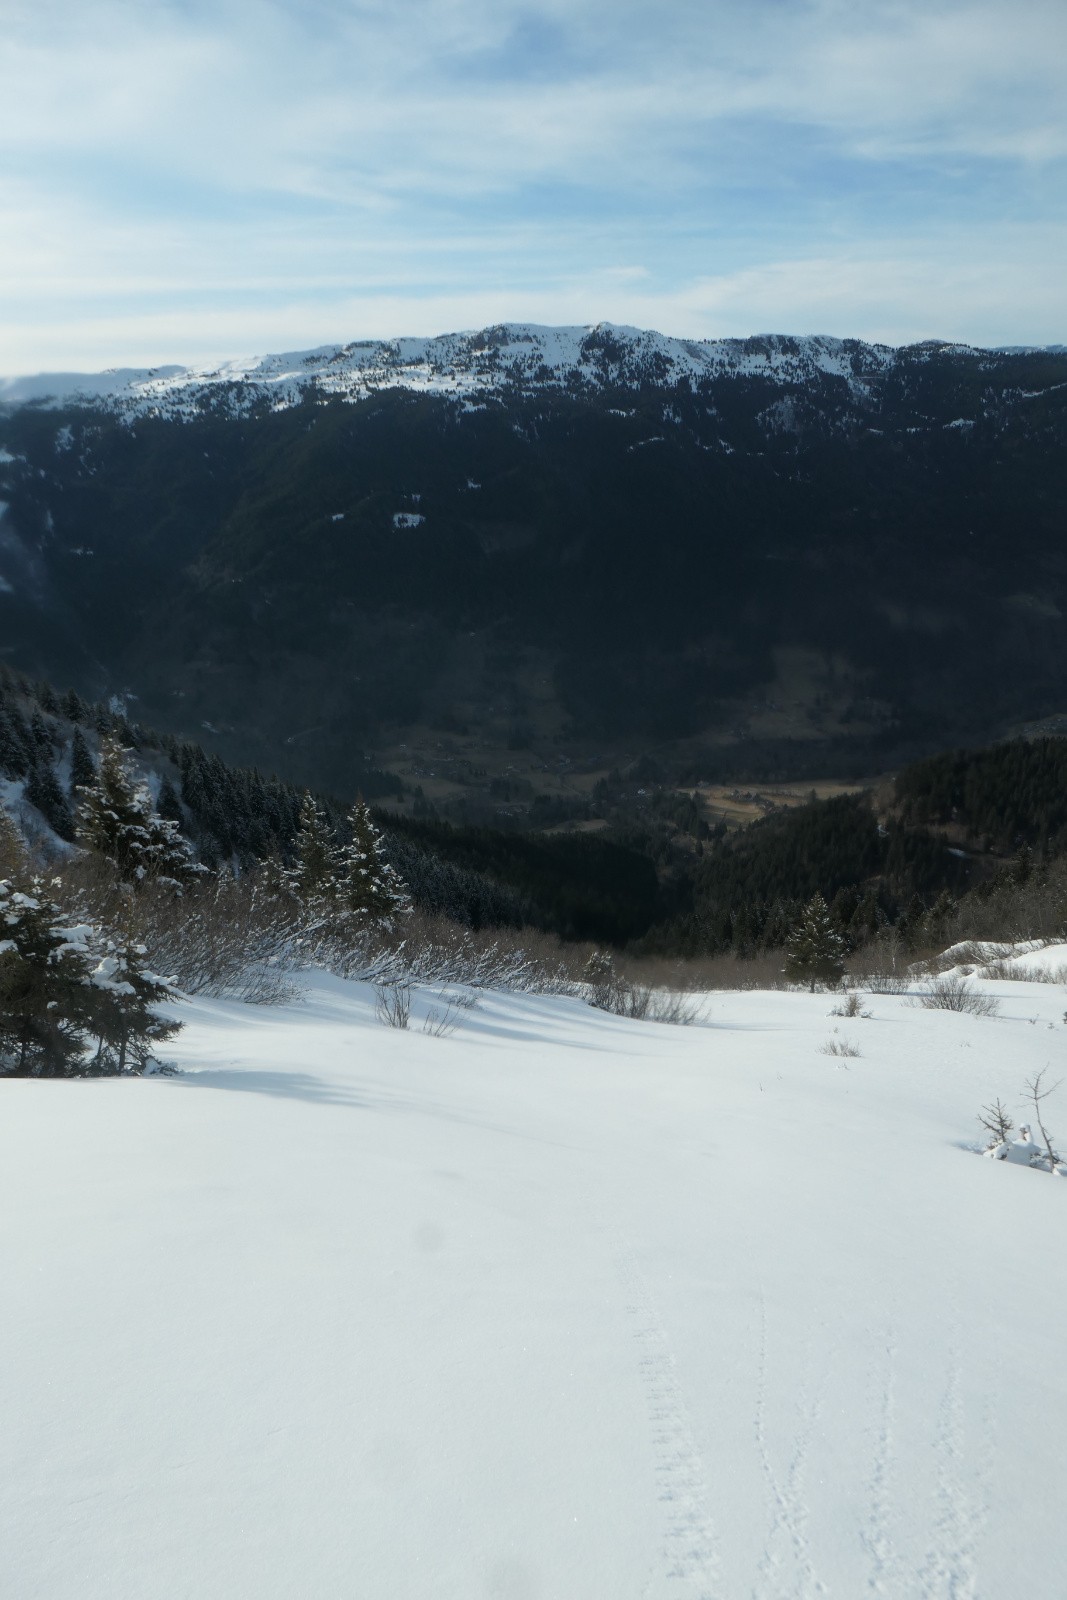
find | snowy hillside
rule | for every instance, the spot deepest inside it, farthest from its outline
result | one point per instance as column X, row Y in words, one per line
column 511, row 355
column 559, row 1306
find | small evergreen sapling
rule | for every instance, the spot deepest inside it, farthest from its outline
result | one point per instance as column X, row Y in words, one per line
column 815, row 951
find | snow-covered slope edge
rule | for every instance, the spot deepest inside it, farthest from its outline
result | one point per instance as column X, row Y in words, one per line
column 525, row 355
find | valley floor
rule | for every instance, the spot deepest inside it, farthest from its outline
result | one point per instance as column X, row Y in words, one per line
column 560, row 1306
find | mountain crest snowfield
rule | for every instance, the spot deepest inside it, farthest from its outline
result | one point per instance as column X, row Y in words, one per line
column 553, row 1303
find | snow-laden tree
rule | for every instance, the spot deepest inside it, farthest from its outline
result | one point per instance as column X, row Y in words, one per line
column 45, row 1000
column 124, row 1018
column 314, row 876
column 370, row 889
column 815, row 951
column 118, row 820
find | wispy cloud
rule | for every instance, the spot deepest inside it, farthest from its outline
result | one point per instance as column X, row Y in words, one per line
column 187, row 177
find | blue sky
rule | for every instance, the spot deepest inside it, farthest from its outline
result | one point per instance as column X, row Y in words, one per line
column 185, row 180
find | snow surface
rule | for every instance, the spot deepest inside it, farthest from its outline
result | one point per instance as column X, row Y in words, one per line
column 561, row 1306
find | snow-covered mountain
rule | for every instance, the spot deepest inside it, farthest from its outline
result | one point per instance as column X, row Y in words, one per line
column 510, row 356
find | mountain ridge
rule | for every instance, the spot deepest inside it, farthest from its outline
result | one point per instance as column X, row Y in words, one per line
column 504, row 356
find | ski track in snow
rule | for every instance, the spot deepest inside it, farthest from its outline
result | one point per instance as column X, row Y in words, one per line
column 950, row 1569
column 691, row 1539
column 787, row 1543
column 876, row 1537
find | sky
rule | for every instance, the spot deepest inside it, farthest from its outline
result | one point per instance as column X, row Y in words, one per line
column 192, row 180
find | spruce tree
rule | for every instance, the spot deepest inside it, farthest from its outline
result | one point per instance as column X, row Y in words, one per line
column 74, row 707
column 167, row 803
column 44, row 790
column 815, row 951
column 45, row 1002
column 313, row 878
column 370, row 889
column 12, row 848
column 41, row 734
column 16, row 749
column 82, row 765
column 124, row 1019
column 118, row 821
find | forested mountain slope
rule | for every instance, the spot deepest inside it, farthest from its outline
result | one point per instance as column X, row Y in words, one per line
column 813, row 555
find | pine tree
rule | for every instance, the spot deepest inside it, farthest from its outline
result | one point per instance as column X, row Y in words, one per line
column 16, row 749
column 41, row 734
column 124, row 1019
column 313, row 878
column 12, row 849
column 815, row 951
column 167, row 803
column 44, row 994
column 74, row 707
column 370, row 888
column 44, row 790
column 82, row 765
column 118, row 821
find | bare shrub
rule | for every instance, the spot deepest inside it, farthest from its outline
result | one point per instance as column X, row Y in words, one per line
column 839, row 1047
column 1014, row 909
column 392, row 1004
column 881, row 966
column 953, row 993
column 1037, row 1092
column 439, row 1024
column 703, row 974
column 667, row 1005
column 443, row 1019
column 228, row 937
column 607, row 991
column 1002, row 971
column 887, row 983
column 432, row 950
column 851, row 1006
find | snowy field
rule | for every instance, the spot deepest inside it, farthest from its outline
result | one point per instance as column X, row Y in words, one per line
column 560, row 1306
